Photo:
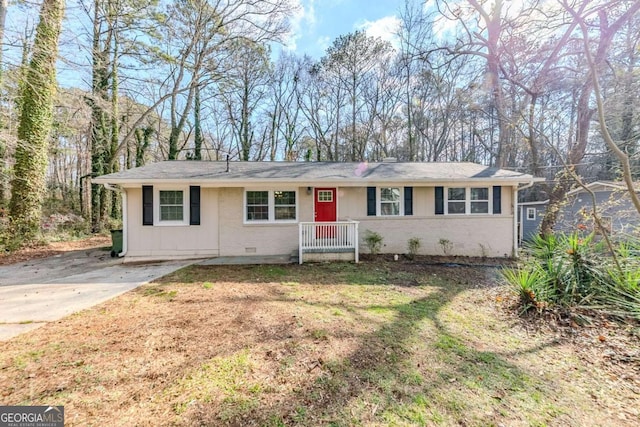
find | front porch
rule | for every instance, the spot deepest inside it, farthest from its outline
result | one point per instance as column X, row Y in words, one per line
column 328, row 241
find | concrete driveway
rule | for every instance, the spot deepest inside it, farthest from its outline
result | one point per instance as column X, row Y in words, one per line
column 35, row 292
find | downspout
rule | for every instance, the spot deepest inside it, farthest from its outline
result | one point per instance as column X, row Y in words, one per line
column 124, row 215
column 515, row 216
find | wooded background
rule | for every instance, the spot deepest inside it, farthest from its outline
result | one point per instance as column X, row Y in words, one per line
column 512, row 84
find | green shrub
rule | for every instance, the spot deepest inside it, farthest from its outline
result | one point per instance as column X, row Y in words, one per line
column 575, row 271
column 373, row 241
column 413, row 245
column 542, row 247
column 619, row 291
column 530, row 285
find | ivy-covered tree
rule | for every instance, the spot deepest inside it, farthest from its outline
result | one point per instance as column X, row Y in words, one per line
column 3, row 15
column 36, row 118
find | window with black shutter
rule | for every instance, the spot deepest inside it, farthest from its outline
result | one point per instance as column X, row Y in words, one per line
column 371, row 201
column 439, row 208
column 147, row 205
column 194, row 205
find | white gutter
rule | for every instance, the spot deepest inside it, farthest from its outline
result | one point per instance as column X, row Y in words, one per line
column 124, row 215
column 516, row 214
column 239, row 183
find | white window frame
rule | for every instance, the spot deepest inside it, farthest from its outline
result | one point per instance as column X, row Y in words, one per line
column 271, row 207
column 324, row 200
column 156, row 206
column 477, row 201
column 531, row 217
column 379, row 201
column 467, row 201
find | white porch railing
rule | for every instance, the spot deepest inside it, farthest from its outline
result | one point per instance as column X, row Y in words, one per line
column 328, row 237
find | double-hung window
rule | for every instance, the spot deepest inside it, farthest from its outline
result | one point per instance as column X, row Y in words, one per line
column 284, row 205
column 531, row 214
column 456, row 200
column 257, row 206
column 270, row 206
column 390, row 201
column 171, row 205
column 479, row 200
column 465, row 200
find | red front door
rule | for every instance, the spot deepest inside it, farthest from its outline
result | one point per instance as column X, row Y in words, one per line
column 325, row 208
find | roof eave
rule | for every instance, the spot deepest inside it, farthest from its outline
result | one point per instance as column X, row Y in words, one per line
column 306, row 182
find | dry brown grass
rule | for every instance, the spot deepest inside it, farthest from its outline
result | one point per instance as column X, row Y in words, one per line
column 379, row 343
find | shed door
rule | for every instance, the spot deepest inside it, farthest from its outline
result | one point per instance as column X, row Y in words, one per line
column 325, row 211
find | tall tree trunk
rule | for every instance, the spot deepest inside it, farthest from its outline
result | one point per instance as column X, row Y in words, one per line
column 493, row 22
column 36, row 119
column 143, row 139
column 197, row 136
column 245, row 134
column 3, row 149
column 100, row 123
column 409, row 100
column 115, row 123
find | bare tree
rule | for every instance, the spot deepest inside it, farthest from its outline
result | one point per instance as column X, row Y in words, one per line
column 243, row 89
column 351, row 61
column 607, row 33
column 621, row 12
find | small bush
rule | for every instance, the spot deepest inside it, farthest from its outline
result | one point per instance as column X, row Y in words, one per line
column 373, row 241
column 446, row 245
column 413, row 245
column 530, row 285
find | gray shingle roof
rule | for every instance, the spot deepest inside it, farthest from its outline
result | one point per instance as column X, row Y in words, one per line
column 309, row 172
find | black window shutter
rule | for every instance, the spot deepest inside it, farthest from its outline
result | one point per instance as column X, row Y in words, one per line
column 497, row 199
column 147, row 205
column 371, row 201
column 194, row 205
column 439, row 200
column 408, row 200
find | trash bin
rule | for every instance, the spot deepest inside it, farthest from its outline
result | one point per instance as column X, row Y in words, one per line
column 116, row 242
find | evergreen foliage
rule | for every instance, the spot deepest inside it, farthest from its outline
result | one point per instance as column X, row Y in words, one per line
column 574, row 271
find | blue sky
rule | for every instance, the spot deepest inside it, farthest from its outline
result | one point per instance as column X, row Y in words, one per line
column 315, row 25
column 319, row 22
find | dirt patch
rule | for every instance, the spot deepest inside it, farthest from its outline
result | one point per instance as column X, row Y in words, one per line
column 443, row 260
column 377, row 343
column 53, row 248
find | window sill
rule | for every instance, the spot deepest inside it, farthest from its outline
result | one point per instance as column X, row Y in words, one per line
column 475, row 215
column 253, row 223
column 171, row 224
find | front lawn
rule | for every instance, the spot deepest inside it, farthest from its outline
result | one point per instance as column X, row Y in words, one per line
column 373, row 344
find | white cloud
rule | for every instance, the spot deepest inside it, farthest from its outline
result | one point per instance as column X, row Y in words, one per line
column 323, row 43
column 302, row 20
column 386, row 28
